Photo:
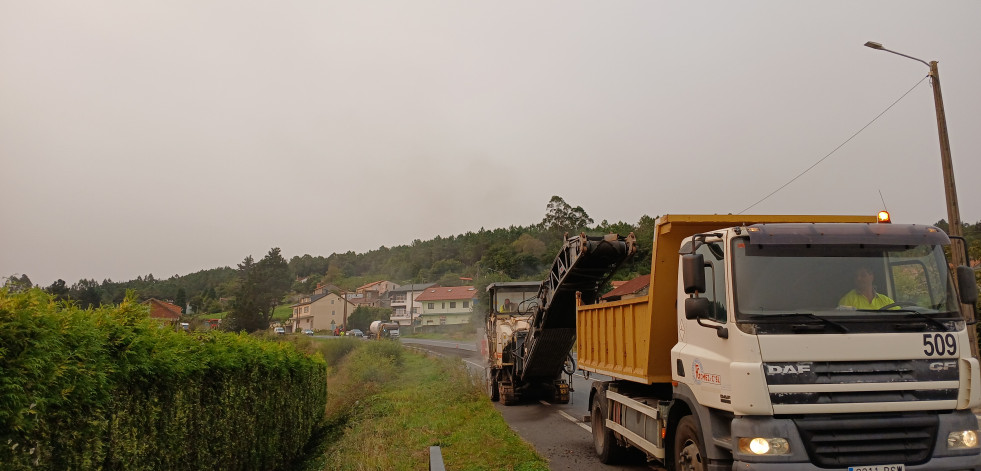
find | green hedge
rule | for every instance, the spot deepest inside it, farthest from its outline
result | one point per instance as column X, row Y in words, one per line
column 109, row 388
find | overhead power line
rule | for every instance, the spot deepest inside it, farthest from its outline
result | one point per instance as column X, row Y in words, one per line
column 836, row 148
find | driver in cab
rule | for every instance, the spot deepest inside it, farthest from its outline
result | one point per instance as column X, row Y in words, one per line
column 864, row 295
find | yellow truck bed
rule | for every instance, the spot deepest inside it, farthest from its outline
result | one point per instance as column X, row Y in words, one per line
column 632, row 339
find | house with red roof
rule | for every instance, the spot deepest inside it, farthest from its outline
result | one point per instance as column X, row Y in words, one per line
column 166, row 312
column 628, row 289
column 446, row 306
column 375, row 294
column 380, row 287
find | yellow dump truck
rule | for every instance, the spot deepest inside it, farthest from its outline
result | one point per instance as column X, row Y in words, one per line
column 749, row 351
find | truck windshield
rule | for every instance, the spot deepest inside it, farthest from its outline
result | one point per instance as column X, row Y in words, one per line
column 841, row 282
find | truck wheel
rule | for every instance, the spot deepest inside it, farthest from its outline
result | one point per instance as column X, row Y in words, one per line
column 507, row 394
column 607, row 448
column 492, row 389
column 689, row 452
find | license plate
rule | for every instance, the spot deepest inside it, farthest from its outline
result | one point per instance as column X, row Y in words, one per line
column 879, row 467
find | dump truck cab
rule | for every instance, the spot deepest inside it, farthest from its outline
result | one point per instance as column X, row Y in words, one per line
column 789, row 343
column 782, row 336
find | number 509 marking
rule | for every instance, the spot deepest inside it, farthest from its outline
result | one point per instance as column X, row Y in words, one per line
column 939, row 344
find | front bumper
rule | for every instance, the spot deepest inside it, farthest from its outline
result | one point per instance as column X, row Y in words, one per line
column 837, row 441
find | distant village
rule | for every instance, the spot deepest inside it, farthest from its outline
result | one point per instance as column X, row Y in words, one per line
column 423, row 306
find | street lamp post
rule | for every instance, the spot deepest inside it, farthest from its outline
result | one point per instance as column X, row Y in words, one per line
column 950, row 190
column 957, row 253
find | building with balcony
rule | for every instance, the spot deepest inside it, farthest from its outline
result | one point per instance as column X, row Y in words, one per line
column 400, row 299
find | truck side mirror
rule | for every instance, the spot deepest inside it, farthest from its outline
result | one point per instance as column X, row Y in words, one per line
column 693, row 273
column 968, row 285
column 696, row 308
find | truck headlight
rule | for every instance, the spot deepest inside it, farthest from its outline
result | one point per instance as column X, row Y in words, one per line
column 765, row 446
column 962, row 439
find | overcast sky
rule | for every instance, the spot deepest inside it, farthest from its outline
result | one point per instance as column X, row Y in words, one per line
column 168, row 137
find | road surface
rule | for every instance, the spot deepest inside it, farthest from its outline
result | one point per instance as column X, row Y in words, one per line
column 555, row 430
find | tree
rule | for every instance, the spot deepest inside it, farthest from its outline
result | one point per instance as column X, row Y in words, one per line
column 17, row 284
column 261, row 286
column 181, row 299
column 621, row 228
column 88, row 293
column 333, row 273
column 528, row 245
column 502, row 259
column 58, row 289
column 561, row 217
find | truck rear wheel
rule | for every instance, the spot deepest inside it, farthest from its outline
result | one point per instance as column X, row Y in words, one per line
column 507, row 393
column 607, row 448
column 689, row 452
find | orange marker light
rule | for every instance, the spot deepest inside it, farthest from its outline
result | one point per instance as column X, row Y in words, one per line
column 884, row 217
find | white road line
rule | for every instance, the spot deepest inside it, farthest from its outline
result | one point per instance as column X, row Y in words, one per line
column 577, row 422
column 570, row 418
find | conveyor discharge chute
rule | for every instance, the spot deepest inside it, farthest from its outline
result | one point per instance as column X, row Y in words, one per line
column 582, row 266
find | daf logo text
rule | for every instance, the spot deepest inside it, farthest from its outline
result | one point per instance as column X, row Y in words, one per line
column 787, row 369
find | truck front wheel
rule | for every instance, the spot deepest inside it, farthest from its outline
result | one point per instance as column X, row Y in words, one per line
column 607, row 448
column 689, row 452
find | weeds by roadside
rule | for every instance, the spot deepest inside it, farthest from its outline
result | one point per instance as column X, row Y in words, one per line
column 387, row 406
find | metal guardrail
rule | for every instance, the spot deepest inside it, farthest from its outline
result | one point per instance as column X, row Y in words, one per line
column 436, row 459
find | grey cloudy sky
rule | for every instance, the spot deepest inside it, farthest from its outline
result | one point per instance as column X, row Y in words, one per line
column 173, row 136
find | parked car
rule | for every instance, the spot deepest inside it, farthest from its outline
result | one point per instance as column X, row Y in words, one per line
column 356, row 332
column 279, row 331
column 307, row 332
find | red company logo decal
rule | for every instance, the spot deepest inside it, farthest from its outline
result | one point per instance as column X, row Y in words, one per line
column 702, row 377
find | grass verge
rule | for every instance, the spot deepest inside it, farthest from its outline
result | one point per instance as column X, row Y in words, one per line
column 387, row 406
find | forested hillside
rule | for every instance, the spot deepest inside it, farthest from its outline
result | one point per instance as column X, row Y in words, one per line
column 481, row 257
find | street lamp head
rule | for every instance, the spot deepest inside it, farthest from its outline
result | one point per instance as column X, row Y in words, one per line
column 873, row 45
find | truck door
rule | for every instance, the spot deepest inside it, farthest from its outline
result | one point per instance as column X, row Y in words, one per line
column 703, row 349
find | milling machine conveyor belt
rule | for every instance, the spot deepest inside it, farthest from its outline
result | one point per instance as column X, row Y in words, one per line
column 583, row 265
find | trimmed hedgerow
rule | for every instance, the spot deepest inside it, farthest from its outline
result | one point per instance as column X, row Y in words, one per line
column 109, row 388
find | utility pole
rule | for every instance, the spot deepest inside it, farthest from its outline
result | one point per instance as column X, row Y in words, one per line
column 958, row 254
column 412, row 320
column 953, row 209
column 344, row 301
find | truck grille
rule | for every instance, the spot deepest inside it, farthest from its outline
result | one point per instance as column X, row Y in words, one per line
column 837, row 441
column 850, row 382
column 842, row 372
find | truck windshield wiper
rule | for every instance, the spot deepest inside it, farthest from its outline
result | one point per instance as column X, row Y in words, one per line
column 920, row 315
column 809, row 315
